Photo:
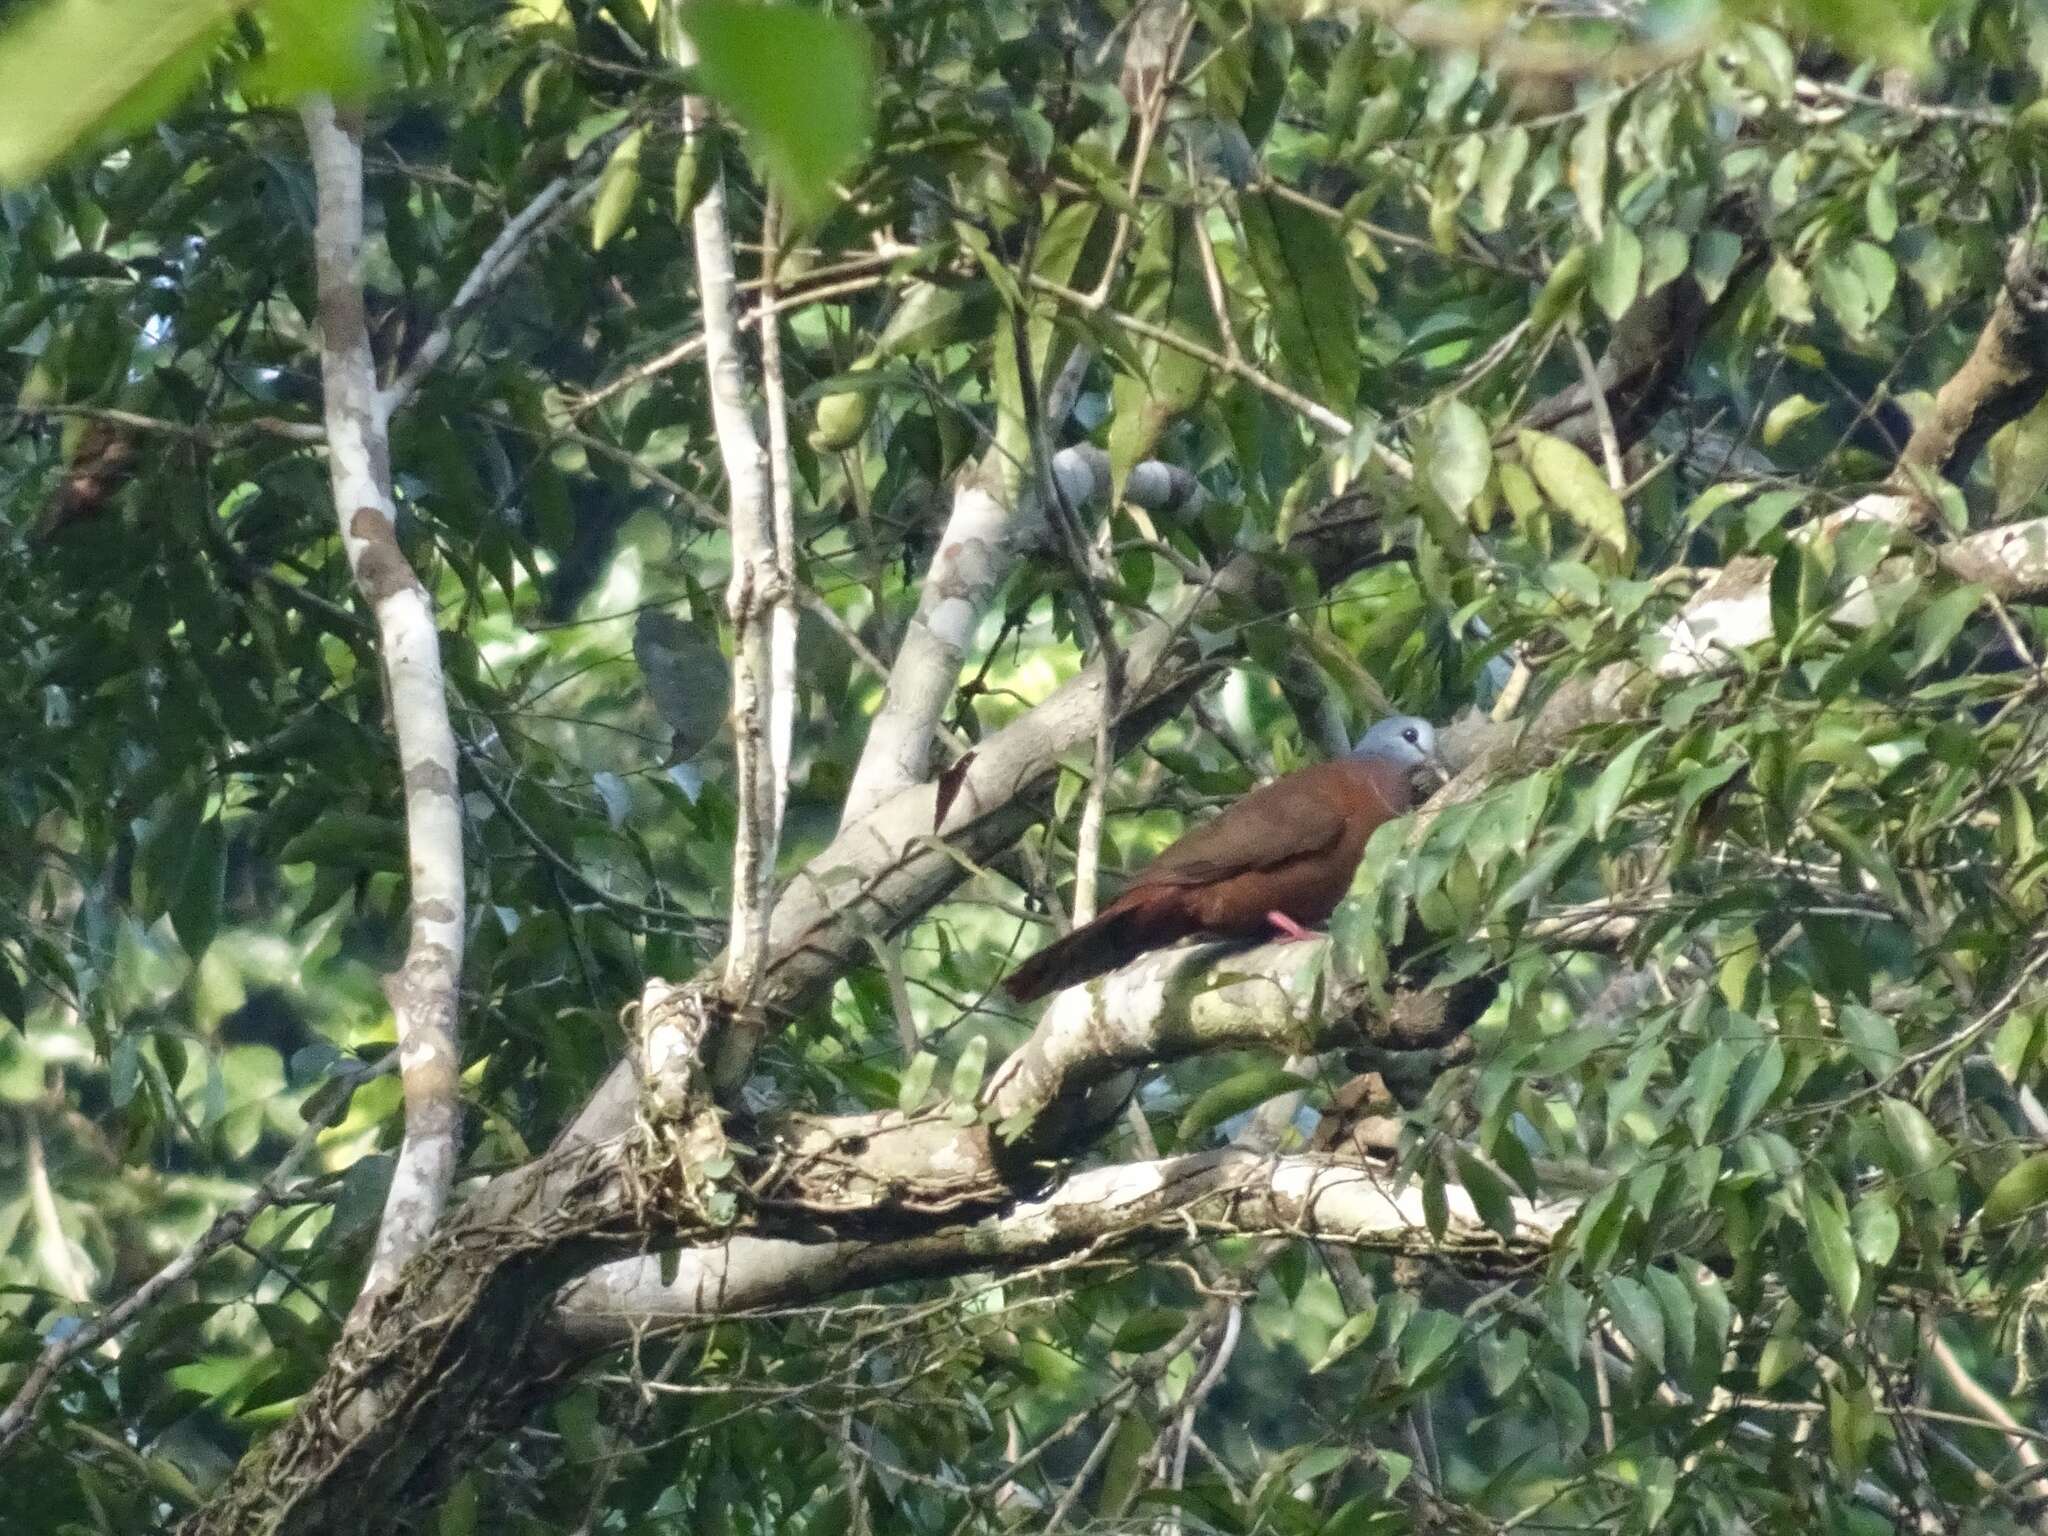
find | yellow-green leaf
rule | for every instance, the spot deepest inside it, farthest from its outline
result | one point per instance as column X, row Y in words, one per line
column 1575, row 485
column 1460, row 455
column 616, row 188
column 2024, row 1187
column 1786, row 415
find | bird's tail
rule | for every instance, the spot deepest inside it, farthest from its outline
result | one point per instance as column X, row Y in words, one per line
column 1090, row 950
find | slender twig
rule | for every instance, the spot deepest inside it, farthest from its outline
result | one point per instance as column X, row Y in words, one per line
column 693, row 346
column 1610, row 440
column 1979, row 1397
column 555, row 202
column 212, row 437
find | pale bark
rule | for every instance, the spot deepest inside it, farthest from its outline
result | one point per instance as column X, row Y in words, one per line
column 752, row 592
column 423, row 992
column 1224, row 1193
column 782, row 497
column 987, row 533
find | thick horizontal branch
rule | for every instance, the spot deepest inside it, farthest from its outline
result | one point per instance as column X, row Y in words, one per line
column 1224, row 1193
column 1192, row 999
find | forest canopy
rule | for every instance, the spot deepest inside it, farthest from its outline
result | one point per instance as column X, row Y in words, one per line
column 587, row 578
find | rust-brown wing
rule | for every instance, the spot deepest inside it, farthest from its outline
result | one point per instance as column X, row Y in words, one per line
column 1290, row 819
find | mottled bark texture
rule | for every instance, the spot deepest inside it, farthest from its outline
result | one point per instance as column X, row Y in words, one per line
column 423, row 991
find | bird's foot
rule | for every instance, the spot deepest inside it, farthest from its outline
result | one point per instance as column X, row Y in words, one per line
column 1290, row 930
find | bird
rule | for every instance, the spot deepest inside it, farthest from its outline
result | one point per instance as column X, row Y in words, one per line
column 1279, row 860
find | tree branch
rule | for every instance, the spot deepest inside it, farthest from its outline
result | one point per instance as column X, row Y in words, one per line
column 557, row 201
column 753, row 589
column 423, row 992
column 981, row 544
column 1223, row 1193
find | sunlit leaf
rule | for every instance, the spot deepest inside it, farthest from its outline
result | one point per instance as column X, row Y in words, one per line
column 799, row 81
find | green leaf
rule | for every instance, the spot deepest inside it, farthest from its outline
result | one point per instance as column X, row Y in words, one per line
column 1940, row 622
column 328, row 46
column 968, row 1069
column 1665, row 254
column 1681, row 1316
column 617, row 186
column 1706, row 1085
column 1617, row 270
column 459, row 1509
column 1858, row 285
column 1506, row 154
column 1828, row 1240
column 1873, row 1039
column 1755, row 1081
column 2019, row 462
column 66, row 76
column 1143, row 1332
column 1874, row 1224
column 1786, row 415
column 1714, row 257
column 1235, row 1095
column 1489, row 1193
column 2024, row 1187
column 1852, row 1426
column 1460, row 455
column 1347, row 1338
column 1656, row 1487
column 1587, row 170
column 195, row 902
column 1880, row 200
column 800, row 82
column 1121, row 1471
column 1310, row 296
column 1788, row 292
column 1424, row 1341
column 686, row 678
column 1918, row 1151
column 1784, row 1350
column 1638, row 1316
column 916, row 1086
column 1575, row 484
column 1611, row 788
column 1436, row 1209
column 1560, row 290
column 1788, row 579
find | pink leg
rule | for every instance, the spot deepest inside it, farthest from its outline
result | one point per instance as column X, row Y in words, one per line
column 1289, row 928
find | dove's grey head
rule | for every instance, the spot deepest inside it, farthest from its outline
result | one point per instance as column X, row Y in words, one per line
column 1406, row 741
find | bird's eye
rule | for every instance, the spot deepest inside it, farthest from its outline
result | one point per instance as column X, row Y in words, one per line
column 1410, row 737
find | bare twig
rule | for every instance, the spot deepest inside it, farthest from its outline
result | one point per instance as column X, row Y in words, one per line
column 558, row 200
